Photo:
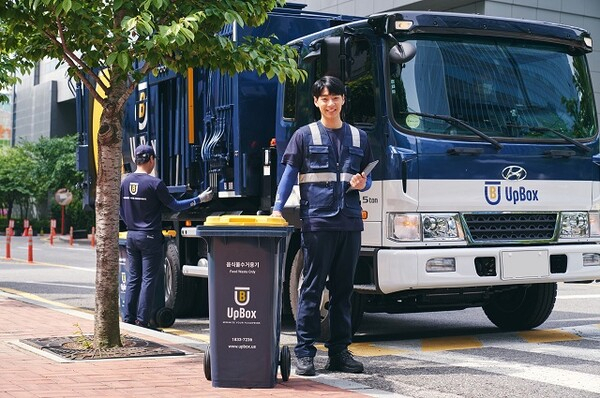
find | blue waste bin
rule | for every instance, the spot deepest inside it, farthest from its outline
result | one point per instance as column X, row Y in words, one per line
column 245, row 262
column 161, row 317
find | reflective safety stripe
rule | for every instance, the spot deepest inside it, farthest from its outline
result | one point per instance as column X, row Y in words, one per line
column 316, row 134
column 346, row 177
column 355, row 136
column 316, row 177
column 323, row 177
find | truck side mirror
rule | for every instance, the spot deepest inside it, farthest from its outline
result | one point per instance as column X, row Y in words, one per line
column 333, row 57
column 401, row 53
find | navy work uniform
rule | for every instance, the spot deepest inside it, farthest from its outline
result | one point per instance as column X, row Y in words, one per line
column 331, row 227
column 143, row 197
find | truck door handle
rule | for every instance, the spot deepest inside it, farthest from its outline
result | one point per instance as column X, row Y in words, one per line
column 465, row 151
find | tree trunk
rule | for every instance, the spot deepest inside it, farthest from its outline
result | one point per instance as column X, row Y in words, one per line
column 106, row 316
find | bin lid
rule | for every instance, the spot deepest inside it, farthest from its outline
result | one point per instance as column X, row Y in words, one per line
column 250, row 221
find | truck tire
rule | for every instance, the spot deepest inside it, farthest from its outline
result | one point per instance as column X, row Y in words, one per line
column 523, row 308
column 180, row 292
column 295, row 283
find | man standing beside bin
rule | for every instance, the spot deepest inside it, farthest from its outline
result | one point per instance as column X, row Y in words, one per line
column 142, row 199
column 326, row 158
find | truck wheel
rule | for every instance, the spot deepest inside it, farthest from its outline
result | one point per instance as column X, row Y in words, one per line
column 296, row 279
column 523, row 308
column 179, row 291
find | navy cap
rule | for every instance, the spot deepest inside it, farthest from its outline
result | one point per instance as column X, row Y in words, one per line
column 143, row 153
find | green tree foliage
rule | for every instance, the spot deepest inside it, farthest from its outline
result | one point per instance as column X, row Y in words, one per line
column 54, row 168
column 30, row 172
column 53, row 165
column 16, row 181
column 110, row 35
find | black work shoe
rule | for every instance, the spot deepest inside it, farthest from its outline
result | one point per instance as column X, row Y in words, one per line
column 344, row 362
column 305, row 366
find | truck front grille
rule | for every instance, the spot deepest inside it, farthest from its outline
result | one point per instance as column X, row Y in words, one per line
column 513, row 227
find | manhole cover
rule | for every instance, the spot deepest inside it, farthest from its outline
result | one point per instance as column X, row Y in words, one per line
column 74, row 348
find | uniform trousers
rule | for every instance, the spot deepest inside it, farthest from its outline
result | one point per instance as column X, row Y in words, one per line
column 145, row 257
column 330, row 254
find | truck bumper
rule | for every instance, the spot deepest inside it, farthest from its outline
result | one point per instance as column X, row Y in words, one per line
column 400, row 270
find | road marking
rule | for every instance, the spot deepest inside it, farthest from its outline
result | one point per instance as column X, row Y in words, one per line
column 450, row 343
column 14, row 261
column 583, row 354
column 182, row 333
column 373, row 350
column 544, row 374
column 547, row 336
column 61, row 284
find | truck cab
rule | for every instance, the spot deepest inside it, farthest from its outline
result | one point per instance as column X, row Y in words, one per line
column 487, row 190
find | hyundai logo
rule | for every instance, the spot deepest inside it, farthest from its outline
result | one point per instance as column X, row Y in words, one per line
column 514, row 173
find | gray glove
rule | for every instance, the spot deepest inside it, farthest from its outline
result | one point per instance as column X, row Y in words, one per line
column 206, row 196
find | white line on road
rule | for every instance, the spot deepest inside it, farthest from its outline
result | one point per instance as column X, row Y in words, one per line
column 61, row 284
column 61, row 248
column 544, row 374
column 15, row 261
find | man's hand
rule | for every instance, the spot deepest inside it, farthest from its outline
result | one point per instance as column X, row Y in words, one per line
column 206, row 196
column 358, row 181
column 276, row 213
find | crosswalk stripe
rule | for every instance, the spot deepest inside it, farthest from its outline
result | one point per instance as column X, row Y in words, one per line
column 583, row 354
column 544, row 374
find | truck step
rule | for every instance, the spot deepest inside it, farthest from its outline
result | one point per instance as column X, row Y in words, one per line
column 365, row 288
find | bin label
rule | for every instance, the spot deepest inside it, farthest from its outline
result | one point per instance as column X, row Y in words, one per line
column 240, row 313
column 242, row 296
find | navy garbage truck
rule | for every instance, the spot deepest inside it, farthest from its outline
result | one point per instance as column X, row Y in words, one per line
column 487, row 193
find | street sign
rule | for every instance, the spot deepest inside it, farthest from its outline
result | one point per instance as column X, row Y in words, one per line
column 63, row 196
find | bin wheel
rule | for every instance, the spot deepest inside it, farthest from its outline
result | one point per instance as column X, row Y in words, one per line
column 285, row 363
column 164, row 317
column 207, row 363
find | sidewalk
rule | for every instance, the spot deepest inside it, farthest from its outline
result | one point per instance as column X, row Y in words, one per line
column 32, row 373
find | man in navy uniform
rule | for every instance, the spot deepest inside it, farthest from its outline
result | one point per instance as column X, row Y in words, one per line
column 142, row 199
column 326, row 158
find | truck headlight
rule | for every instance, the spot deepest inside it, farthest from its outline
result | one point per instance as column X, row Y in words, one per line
column 442, row 227
column 574, row 224
column 404, row 227
column 413, row 227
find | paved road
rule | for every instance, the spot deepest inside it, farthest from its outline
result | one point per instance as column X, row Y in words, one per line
column 446, row 354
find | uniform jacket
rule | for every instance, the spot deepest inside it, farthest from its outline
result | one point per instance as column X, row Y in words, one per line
column 324, row 177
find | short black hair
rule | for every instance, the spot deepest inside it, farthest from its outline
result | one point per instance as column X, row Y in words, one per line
column 334, row 85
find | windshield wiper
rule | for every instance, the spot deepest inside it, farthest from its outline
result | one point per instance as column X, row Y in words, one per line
column 555, row 132
column 453, row 120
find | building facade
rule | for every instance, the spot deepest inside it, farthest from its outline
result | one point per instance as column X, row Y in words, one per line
column 43, row 104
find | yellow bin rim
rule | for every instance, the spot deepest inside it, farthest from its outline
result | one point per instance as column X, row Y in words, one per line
column 247, row 221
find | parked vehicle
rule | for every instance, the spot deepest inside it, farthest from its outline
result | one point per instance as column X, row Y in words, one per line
column 487, row 193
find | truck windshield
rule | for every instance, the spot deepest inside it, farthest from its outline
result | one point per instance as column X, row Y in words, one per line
column 508, row 90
